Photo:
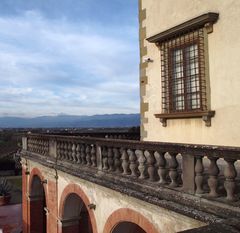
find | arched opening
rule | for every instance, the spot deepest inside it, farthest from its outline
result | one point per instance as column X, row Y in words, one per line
column 127, row 227
column 128, row 221
column 75, row 217
column 37, row 203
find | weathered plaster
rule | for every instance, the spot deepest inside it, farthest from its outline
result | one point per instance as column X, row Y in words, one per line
column 224, row 69
column 107, row 201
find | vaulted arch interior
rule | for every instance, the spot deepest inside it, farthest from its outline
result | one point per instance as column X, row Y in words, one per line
column 37, row 201
column 75, row 217
column 127, row 227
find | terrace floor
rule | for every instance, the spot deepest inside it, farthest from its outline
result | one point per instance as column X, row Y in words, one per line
column 11, row 215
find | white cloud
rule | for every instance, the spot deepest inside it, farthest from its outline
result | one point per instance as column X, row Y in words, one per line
column 53, row 66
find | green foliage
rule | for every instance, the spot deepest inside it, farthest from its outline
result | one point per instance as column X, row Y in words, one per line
column 5, row 187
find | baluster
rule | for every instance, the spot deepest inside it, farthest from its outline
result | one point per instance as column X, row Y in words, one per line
column 150, row 163
column 74, row 152
column 62, row 151
column 161, row 164
column 199, row 175
column 110, row 159
column 65, row 150
column 117, row 162
column 133, row 162
column 213, row 171
column 41, row 147
column 142, row 164
column 32, row 145
column 70, row 158
column 37, row 142
column 43, row 152
column 46, row 147
column 105, row 158
column 88, row 155
column 93, row 156
column 173, row 174
column 58, row 150
column 230, row 174
column 125, row 162
column 36, row 146
column 29, row 144
column 83, row 154
column 78, row 155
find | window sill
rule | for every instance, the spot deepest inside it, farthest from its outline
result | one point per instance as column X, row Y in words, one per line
column 205, row 115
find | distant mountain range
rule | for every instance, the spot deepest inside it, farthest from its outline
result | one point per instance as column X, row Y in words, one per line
column 67, row 121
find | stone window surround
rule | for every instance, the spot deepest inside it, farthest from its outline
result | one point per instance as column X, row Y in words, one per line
column 203, row 21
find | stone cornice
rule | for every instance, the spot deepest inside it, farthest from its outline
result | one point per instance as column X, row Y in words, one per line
column 200, row 21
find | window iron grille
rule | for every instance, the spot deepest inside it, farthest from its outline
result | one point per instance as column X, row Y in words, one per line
column 183, row 73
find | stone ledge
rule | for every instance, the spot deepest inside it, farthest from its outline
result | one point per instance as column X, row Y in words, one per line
column 213, row 228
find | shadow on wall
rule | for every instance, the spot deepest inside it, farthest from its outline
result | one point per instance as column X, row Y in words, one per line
column 127, row 227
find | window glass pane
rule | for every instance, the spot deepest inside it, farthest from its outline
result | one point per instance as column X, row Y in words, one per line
column 192, row 77
column 179, row 103
column 193, row 84
column 193, row 101
column 192, row 60
column 178, row 81
column 178, row 86
column 177, row 63
column 178, row 55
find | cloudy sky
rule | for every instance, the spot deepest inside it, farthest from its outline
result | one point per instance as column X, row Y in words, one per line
column 68, row 57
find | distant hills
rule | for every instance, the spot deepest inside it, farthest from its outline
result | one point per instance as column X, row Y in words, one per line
column 69, row 121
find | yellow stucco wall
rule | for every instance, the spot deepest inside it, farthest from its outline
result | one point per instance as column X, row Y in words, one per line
column 224, row 72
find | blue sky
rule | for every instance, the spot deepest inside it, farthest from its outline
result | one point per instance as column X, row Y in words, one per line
column 75, row 57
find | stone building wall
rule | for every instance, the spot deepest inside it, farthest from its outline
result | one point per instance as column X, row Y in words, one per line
column 111, row 206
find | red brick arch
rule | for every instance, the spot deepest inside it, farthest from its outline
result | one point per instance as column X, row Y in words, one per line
column 36, row 172
column 36, row 220
column 73, row 188
column 128, row 215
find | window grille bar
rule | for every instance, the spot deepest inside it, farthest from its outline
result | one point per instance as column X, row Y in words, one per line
column 183, row 73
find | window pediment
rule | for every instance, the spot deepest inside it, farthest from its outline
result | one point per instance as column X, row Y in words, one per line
column 205, row 20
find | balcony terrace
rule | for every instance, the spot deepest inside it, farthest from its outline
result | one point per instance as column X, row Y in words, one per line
column 198, row 181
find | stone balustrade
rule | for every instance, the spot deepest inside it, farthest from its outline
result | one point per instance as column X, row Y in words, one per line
column 209, row 172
